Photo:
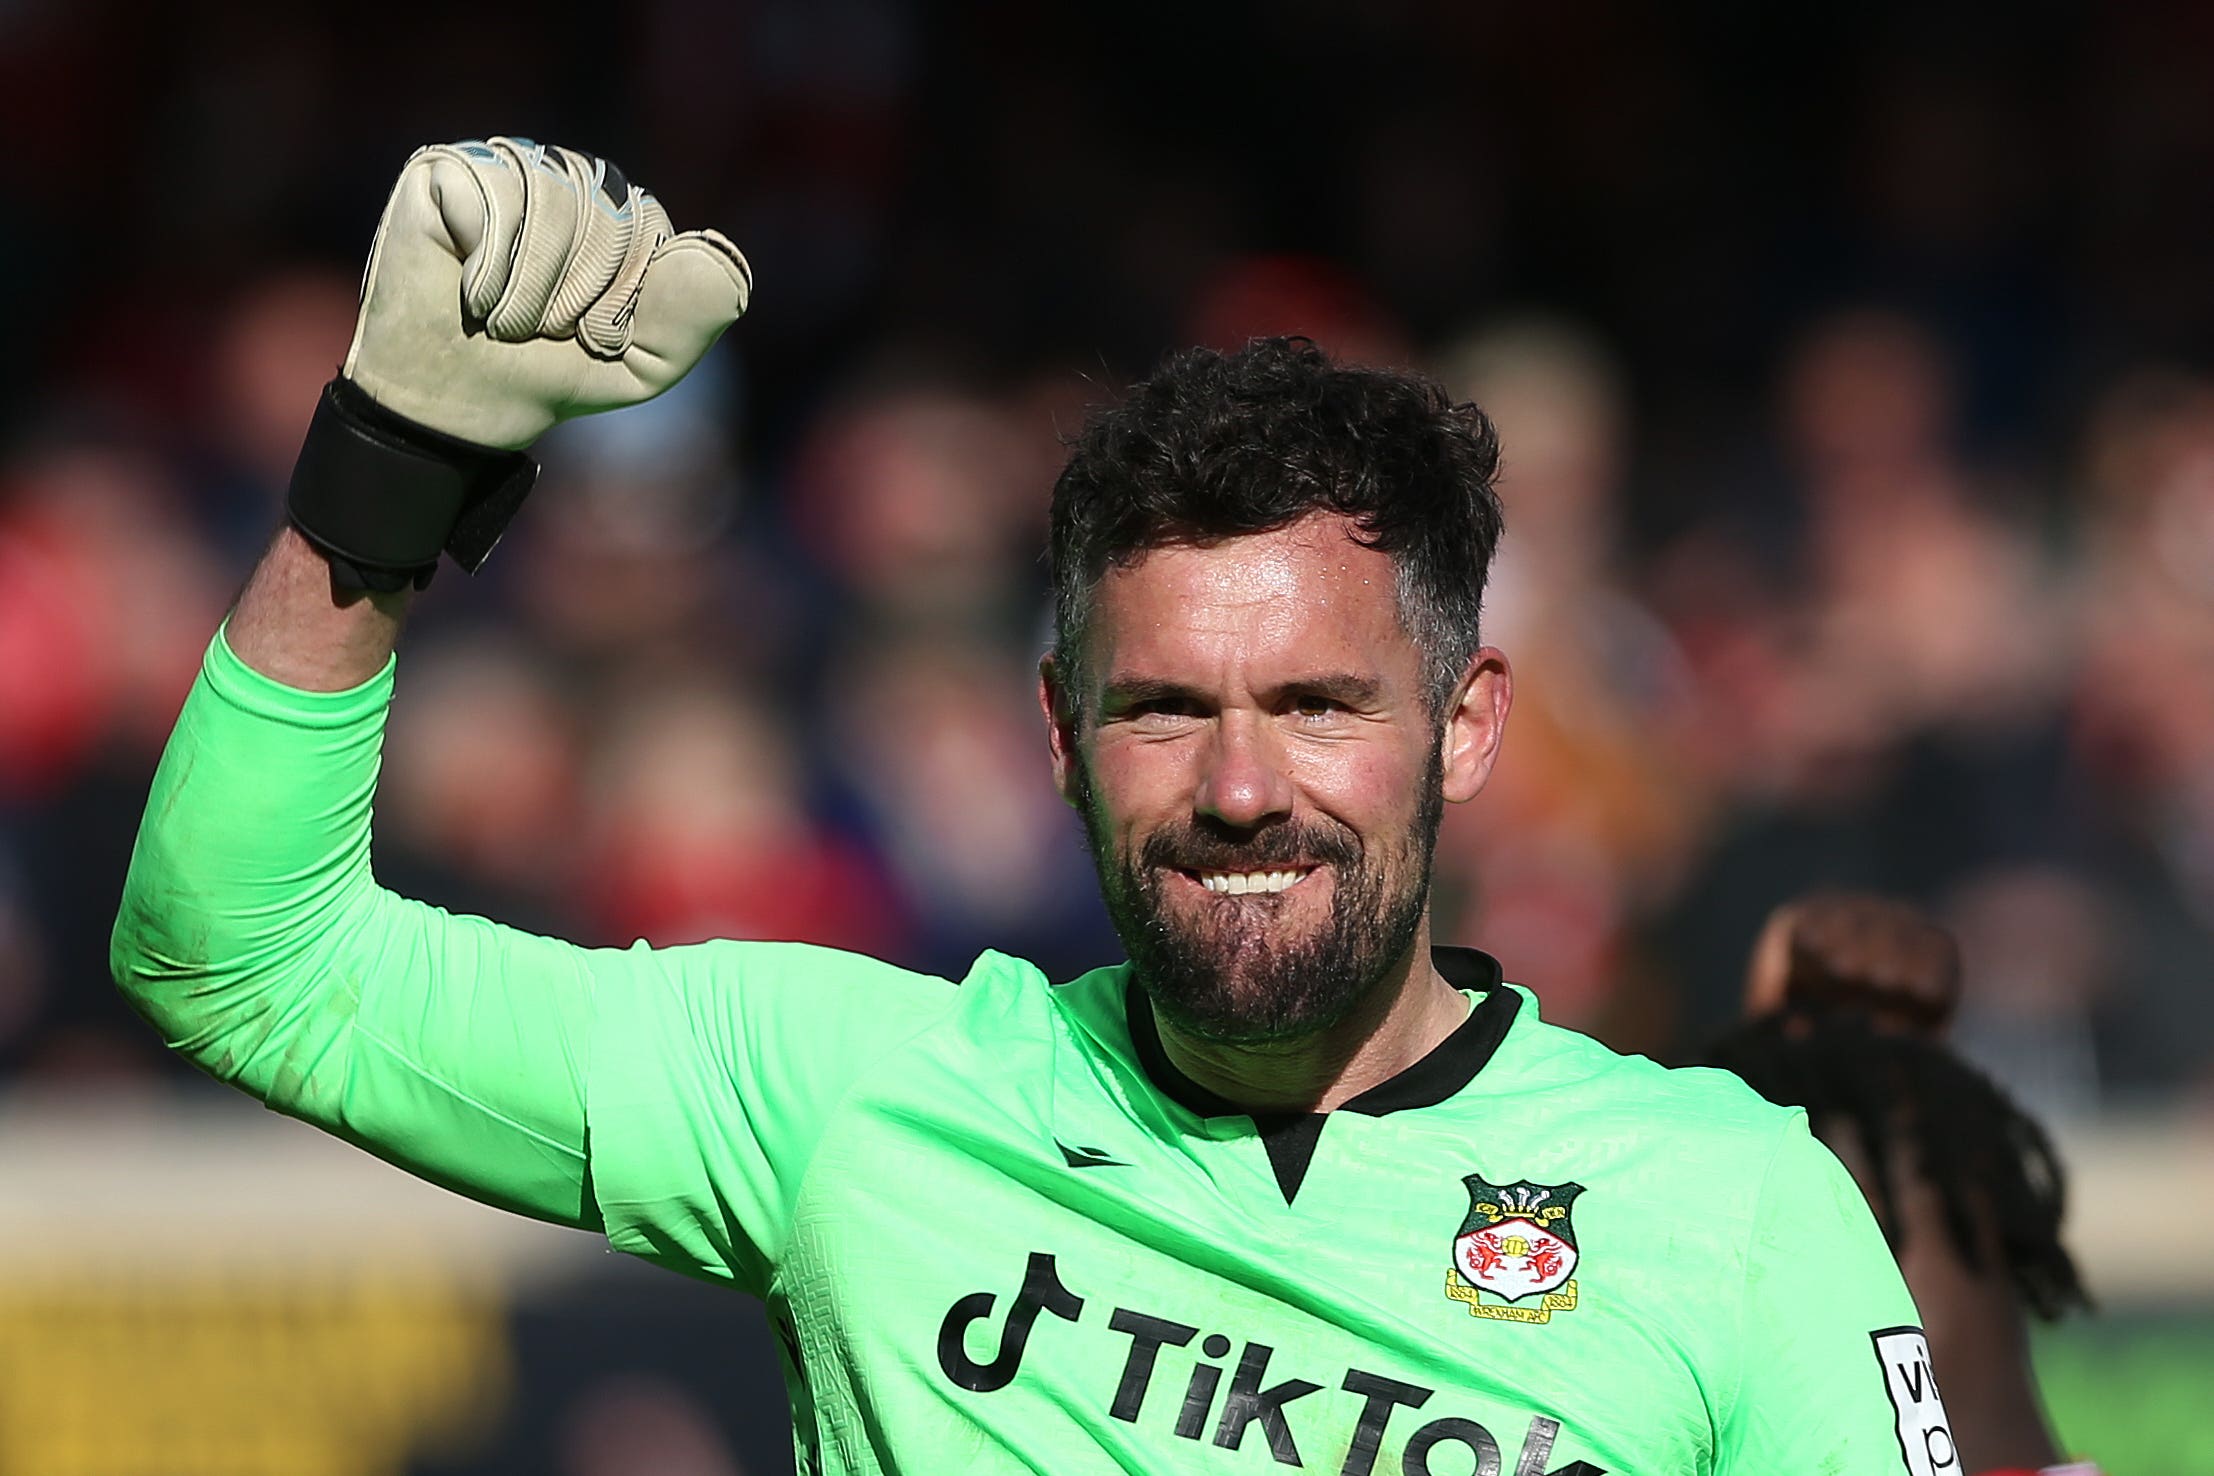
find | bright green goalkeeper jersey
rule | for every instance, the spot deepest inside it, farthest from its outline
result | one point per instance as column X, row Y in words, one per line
column 995, row 1228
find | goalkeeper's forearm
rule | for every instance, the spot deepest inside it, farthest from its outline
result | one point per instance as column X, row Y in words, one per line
column 295, row 625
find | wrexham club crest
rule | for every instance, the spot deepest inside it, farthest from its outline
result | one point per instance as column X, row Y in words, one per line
column 1515, row 1258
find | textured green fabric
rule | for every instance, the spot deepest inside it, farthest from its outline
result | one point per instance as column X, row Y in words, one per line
column 990, row 1241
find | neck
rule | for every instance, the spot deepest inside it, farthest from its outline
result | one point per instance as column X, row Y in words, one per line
column 1405, row 1017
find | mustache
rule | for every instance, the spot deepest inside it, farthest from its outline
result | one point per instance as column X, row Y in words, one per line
column 1188, row 847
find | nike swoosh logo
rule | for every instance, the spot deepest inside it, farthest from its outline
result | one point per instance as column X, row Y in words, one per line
column 1082, row 1157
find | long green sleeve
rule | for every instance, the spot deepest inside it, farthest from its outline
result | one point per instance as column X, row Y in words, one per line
column 254, row 937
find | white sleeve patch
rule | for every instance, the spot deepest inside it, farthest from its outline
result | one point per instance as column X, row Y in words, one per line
column 1925, row 1436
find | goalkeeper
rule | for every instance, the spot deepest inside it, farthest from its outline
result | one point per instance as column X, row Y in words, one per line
column 1293, row 1188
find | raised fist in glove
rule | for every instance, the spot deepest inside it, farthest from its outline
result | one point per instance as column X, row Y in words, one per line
column 511, row 286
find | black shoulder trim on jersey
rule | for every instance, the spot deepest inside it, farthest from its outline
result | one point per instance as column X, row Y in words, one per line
column 1431, row 1080
column 1454, row 1062
column 1467, row 968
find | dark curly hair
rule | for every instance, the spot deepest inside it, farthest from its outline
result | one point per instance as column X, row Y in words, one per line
column 1213, row 446
column 1992, row 1165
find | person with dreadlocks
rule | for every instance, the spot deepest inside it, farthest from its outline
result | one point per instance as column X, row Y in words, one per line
column 1848, row 998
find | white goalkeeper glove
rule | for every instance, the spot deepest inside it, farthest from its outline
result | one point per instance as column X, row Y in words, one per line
column 511, row 286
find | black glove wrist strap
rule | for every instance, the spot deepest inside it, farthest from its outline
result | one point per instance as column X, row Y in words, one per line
column 380, row 495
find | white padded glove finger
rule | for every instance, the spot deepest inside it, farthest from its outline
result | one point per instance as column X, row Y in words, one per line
column 605, row 324
column 514, row 285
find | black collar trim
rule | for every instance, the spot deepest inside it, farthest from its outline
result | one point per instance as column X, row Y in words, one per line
column 1451, row 1065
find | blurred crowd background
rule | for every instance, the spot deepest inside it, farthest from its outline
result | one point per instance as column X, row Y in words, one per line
column 1854, row 367
column 1851, row 369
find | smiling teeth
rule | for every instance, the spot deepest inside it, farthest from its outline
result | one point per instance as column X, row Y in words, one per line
column 1238, row 883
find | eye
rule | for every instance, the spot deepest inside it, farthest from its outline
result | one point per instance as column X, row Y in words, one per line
column 1312, row 707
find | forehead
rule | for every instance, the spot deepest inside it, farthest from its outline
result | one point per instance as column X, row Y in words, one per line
column 1308, row 594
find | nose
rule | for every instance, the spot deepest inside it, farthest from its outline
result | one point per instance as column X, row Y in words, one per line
column 1243, row 783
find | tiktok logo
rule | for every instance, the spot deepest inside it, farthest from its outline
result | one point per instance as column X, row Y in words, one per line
column 1041, row 1292
column 1251, row 1404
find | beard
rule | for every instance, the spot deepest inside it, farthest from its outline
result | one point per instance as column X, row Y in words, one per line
column 1236, row 974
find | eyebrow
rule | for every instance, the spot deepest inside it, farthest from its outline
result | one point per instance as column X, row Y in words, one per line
column 1123, row 693
column 1339, row 686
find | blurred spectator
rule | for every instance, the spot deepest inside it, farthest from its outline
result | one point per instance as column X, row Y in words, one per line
column 697, row 827
column 478, row 803
column 1274, row 296
column 2143, row 717
column 100, row 634
column 112, row 596
column 1882, row 691
column 1589, row 811
column 942, row 744
column 2041, row 944
column 280, row 341
column 623, row 1426
column 921, row 500
column 1927, row 606
column 23, row 983
column 626, row 556
column 49, row 667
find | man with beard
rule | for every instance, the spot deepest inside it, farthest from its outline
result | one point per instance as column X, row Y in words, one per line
column 1291, row 1188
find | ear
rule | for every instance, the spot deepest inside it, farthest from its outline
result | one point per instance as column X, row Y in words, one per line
column 1475, row 721
column 1060, row 718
